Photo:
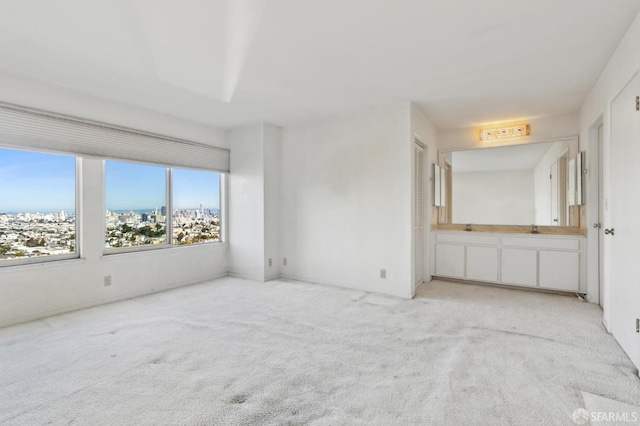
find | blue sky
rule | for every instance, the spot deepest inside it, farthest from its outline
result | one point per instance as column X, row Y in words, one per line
column 36, row 182
column 138, row 187
column 191, row 187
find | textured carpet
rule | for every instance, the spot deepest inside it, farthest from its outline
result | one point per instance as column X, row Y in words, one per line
column 237, row 352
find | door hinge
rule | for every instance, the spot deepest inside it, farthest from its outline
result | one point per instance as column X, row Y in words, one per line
column 637, row 103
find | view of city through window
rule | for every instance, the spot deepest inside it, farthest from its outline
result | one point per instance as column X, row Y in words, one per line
column 37, row 205
column 136, row 200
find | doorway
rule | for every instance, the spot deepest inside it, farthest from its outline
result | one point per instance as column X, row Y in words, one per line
column 420, row 230
column 558, row 181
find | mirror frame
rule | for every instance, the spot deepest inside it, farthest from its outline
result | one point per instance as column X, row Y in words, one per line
column 574, row 152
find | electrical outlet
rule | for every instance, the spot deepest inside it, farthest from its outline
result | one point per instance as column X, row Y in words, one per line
column 284, row 261
column 107, row 280
column 383, row 274
column 270, row 262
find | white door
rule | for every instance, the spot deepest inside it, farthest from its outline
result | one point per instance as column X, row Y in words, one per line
column 623, row 231
column 418, row 230
column 553, row 191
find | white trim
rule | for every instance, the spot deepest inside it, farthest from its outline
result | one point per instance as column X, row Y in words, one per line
column 592, row 205
column 509, row 142
column 342, row 286
column 57, row 262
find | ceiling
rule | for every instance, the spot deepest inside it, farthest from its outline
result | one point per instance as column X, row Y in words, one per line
column 234, row 62
column 504, row 158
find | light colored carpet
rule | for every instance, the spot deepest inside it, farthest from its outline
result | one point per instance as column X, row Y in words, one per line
column 237, row 352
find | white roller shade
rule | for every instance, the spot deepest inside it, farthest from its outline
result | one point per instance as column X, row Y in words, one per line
column 23, row 127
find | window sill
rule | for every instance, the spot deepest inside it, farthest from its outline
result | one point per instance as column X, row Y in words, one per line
column 116, row 253
column 49, row 263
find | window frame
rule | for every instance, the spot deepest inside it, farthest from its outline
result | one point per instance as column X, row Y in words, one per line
column 221, row 205
column 168, row 244
column 77, row 214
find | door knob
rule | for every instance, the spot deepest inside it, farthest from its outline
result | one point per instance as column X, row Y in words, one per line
column 609, row 231
column 597, row 225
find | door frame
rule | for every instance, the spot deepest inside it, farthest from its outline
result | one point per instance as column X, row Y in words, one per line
column 426, row 241
column 594, row 172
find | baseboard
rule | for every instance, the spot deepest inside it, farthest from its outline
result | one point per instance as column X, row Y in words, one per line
column 245, row 276
column 344, row 287
column 106, row 301
column 507, row 286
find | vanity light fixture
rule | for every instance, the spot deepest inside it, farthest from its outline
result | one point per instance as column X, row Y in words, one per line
column 504, row 132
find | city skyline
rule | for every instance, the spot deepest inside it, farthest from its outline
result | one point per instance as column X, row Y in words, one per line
column 36, row 182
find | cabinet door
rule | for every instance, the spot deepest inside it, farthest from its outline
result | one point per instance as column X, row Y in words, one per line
column 482, row 263
column 450, row 260
column 560, row 270
column 519, row 266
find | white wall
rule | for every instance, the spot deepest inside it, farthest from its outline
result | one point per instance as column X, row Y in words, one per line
column 33, row 291
column 505, row 197
column 543, row 128
column 272, row 210
column 254, row 202
column 623, row 64
column 346, row 201
column 246, row 203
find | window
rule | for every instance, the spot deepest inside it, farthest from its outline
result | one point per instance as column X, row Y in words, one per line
column 37, row 206
column 196, row 206
column 136, row 202
column 138, row 207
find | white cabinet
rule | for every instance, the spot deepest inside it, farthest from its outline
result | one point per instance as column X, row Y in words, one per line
column 450, row 260
column 551, row 262
column 559, row 270
column 482, row 263
column 519, row 266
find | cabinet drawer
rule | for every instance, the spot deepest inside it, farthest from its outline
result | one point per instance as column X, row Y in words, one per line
column 468, row 238
column 542, row 243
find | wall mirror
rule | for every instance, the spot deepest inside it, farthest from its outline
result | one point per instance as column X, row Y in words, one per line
column 437, row 185
column 534, row 183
